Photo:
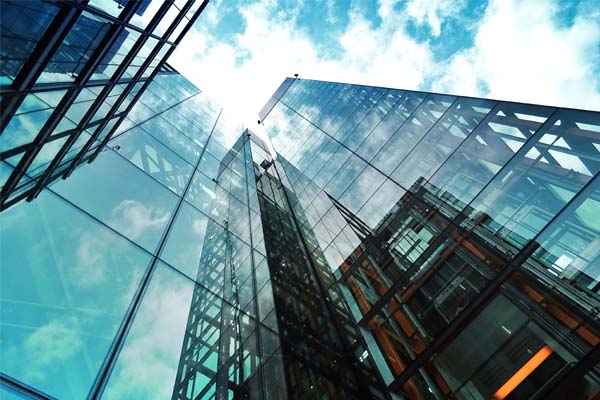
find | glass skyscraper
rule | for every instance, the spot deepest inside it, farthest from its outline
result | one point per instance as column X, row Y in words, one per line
column 395, row 245
column 462, row 233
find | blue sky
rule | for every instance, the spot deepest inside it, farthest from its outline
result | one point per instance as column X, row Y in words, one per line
column 538, row 51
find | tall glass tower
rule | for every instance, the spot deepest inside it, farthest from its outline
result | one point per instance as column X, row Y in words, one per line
column 462, row 233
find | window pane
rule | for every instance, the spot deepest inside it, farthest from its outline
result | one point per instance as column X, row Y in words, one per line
column 66, row 284
column 569, row 252
column 121, row 196
column 75, row 50
column 155, row 159
column 186, row 240
column 411, row 131
column 443, row 138
column 147, row 364
column 22, row 24
column 539, row 180
column 485, row 151
column 172, row 138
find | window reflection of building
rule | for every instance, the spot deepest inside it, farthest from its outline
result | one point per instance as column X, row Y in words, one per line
column 496, row 218
column 323, row 353
column 419, row 272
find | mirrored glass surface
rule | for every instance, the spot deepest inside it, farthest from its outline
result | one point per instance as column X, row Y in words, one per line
column 121, row 196
column 67, row 282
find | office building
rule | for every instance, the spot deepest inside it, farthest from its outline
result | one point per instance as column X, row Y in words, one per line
column 399, row 245
column 462, row 232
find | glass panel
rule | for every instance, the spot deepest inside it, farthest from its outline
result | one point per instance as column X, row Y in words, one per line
column 153, row 158
column 392, row 121
column 45, row 156
column 373, row 118
column 67, row 282
column 112, row 7
column 75, row 50
column 172, row 138
column 201, row 192
column 117, row 53
column 209, row 166
column 361, row 189
column 568, row 258
column 166, row 21
column 382, row 201
column 411, row 131
column 443, row 138
column 22, row 25
column 145, row 12
column 542, row 177
column 500, row 344
column 121, row 196
column 186, row 240
column 148, row 363
column 485, row 151
column 7, row 393
column 23, row 128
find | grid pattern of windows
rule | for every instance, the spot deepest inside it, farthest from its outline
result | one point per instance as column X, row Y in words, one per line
column 462, row 231
column 70, row 71
column 144, row 275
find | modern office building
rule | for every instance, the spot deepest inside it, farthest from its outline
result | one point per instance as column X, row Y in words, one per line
column 462, row 232
column 398, row 245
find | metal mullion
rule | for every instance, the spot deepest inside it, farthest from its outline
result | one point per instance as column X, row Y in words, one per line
column 23, row 389
column 150, row 78
column 259, row 349
column 50, row 87
column 91, row 66
column 474, row 308
column 320, row 287
column 119, row 339
column 137, row 78
column 61, row 25
column 393, row 290
column 105, row 45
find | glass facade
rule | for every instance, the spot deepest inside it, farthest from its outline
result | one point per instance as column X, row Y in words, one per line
column 70, row 72
column 461, row 233
column 396, row 245
column 144, row 274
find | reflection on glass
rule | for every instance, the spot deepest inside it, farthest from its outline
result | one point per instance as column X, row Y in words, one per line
column 443, row 138
column 66, row 284
column 506, row 343
column 148, row 362
column 483, row 153
column 22, row 25
column 155, row 159
column 186, row 240
column 172, row 138
column 77, row 48
column 569, row 252
column 539, row 180
column 411, row 131
column 134, row 204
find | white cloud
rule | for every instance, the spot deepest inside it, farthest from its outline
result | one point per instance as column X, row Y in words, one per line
column 148, row 363
column 56, row 341
column 273, row 46
column 521, row 53
column 134, row 219
column 433, row 12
